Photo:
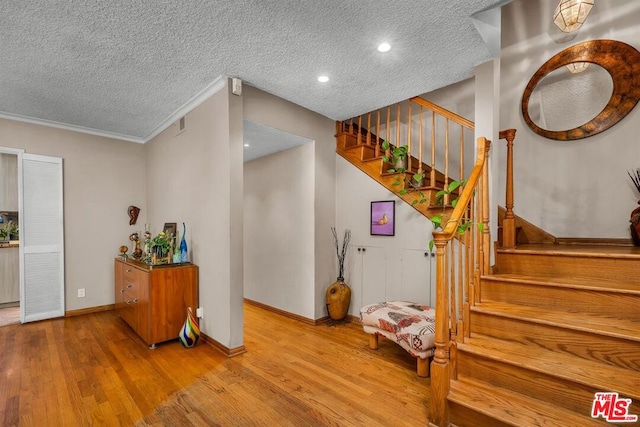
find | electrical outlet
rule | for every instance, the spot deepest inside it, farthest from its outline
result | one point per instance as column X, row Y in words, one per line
column 81, row 293
column 199, row 312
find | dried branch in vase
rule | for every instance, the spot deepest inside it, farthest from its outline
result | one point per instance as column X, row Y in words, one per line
column 635, row 178
column 341, row 253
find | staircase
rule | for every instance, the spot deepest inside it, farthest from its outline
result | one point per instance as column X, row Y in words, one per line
column 531, row 340
column 436, row 140
column 555, row 324
column 370, row 161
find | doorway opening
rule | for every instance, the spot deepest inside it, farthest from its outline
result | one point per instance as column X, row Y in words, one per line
column 9, row 240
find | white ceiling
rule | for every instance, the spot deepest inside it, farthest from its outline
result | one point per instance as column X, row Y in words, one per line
column 260, row 140
column 128, row 69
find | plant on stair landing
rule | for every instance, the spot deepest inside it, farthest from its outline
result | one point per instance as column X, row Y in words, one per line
column 398, row 156
column 399, row 160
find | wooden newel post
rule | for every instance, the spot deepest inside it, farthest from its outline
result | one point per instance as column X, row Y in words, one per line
column 485, row 244
column 509, row 222
column 440, row 375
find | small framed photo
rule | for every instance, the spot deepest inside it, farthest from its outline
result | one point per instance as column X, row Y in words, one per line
column 383, row 218
column 170, row 229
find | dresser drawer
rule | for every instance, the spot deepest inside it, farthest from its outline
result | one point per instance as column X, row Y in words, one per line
column 130, row 274
column 134, row 280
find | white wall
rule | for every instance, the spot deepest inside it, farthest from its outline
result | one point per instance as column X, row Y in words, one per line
column 268, row 110
column 102, row 177
column 569, row 188
column 196, row 177
column 279, row 230
column 413, row 231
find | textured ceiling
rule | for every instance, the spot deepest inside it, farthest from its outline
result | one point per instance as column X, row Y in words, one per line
column 129, row 68
column 260, row 140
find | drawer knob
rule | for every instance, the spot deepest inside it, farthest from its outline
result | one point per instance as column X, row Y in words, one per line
column 129, row 286
column 128, row 270
column 122, row 291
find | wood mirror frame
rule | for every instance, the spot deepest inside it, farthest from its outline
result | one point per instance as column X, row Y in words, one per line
column 623, row 64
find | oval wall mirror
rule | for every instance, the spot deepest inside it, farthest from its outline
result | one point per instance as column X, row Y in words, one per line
column 564, row 100
column 622, row 90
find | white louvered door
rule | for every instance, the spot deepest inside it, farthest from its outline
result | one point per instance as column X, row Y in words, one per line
column 42, row 239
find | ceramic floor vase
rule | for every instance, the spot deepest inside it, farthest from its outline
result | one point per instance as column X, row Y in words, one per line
column 338, row 300
column 635, row 225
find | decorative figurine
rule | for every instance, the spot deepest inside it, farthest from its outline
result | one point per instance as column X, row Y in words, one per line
column 147, row 243
column 133, row 214
column 137, row 252
column 123, row 251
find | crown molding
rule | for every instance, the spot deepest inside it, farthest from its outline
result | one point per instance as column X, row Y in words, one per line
column 72, row 128
column 213, row 88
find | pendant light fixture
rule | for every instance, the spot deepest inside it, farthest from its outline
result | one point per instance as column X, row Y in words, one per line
column 570, row 14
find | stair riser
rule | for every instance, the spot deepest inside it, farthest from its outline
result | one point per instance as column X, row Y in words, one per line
column 587, row 345
column 547, row 265
column 461, row 416
column 613, row 304
column 542, row 386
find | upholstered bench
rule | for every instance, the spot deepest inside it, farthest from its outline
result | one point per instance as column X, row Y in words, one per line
column 408, row 324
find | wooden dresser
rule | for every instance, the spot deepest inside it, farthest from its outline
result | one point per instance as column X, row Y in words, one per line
column 153, row 300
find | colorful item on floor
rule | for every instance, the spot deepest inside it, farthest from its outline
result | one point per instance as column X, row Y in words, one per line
column 190, row 331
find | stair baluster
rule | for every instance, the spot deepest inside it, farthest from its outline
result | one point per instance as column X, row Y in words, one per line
column 432, row 175
column 377, row 150
column 408, row 164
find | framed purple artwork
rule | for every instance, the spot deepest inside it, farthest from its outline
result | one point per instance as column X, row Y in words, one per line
column 383, row 218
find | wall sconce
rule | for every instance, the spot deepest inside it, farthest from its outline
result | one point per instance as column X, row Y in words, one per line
column 570, row 14
column 578, row 67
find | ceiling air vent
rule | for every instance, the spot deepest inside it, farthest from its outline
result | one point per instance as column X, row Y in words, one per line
column 181, row 125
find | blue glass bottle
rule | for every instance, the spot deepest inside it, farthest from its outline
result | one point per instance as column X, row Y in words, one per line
column 183, row 244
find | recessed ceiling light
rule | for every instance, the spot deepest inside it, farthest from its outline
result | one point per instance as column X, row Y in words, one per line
column 323, row 79
column 246, row 145
column 384, row 47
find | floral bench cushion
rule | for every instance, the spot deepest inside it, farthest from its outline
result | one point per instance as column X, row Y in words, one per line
column 410, row 325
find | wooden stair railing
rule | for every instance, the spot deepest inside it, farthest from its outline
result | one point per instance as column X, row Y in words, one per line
column 438, row 158
column 458, row 269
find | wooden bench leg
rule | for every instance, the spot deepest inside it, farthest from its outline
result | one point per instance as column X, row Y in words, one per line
column 423, row 367
column 373, row 341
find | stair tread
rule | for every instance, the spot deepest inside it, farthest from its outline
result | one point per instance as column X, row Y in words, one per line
column 600, row 251
column 372, row 159
column 610, row 326
column 587, row 372
column 612, row 285
column 513, row 408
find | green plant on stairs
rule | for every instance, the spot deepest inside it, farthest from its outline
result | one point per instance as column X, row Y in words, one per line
column 398, row 160
column 436, row 220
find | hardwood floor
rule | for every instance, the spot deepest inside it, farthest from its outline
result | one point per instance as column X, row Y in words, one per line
column 93, row 370
column 9, row 315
